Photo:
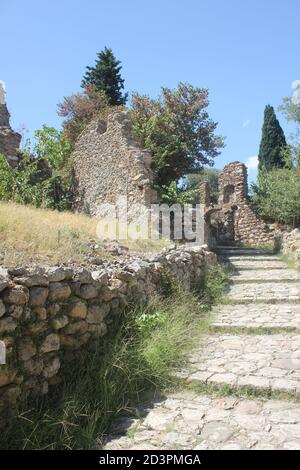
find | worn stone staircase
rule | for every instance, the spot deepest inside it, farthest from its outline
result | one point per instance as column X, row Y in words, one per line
column 244, row 380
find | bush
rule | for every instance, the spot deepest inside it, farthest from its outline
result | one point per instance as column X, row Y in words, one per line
column 51, row 146
column 22, row 185
column 43, row 176
column 6, row 180
column 277, row 195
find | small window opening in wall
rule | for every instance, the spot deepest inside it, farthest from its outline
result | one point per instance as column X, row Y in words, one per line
column 229, row 194
column 102, row 127
column 141, row 188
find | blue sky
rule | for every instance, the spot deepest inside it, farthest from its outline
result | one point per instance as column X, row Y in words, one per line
column 245, row 52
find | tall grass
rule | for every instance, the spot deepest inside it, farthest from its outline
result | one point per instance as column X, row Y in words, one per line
column 143, row 355
column 31, row 235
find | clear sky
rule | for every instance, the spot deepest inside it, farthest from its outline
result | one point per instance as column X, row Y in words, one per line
column 245, row 52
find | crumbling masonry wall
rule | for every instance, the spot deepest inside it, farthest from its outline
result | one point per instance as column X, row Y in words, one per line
column 9, row 140
column 237, row 220
column 108, row 163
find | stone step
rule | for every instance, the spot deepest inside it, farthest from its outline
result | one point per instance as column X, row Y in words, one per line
column 277, row 275
column 251, row 316
column 242, row 264
column 267, row 292
column 244, row 252
column 233, row 258
column 262, row 362
column 189, row 421
column 227, row 247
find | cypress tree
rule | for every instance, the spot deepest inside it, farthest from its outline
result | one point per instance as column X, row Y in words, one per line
column 106, row 77
column 272, row 142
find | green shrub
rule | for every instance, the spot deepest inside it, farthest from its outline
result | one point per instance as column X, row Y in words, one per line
column 277, row 195
column 6, row 180
column 24, row 185
column 43, row 176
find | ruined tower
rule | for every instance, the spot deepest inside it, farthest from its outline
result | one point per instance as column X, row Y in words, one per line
column 9, row 140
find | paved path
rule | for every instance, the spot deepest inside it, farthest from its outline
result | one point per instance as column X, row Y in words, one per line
column 254, row 347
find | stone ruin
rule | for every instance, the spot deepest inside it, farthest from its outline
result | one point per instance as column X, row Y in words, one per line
column 233, row 219
column 9, row 140
column 108, row 163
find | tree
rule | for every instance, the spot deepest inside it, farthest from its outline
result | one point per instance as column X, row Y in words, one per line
column 106, row 77
column 272, row 142
column 177, row 130
column 79, row 109
column 291, row 110
column 211, row 175
column 51, row 146
column 43, row 176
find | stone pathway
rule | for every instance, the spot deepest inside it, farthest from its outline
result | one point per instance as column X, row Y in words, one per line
column 253, row 275
column 268, row 292
column 250, row 263
column 261, row 361
column 254, row 346
column 274, row 316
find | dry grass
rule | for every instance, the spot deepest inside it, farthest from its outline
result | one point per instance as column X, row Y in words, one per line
column 30, row 235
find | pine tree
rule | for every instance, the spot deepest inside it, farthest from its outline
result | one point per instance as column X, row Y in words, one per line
column 272, row 142
column 106, row 77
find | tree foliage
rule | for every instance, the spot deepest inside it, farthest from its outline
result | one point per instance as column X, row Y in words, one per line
column 177, row 194
column 79, row 109
column 277, row 195
column 51, row 146
column 290, row 109
column 211, row 175
column 42, row 177
column 106, row 78
column 177, row 130
column 272, row 142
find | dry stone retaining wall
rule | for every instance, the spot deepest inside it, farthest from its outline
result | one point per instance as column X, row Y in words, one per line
column 46, row 314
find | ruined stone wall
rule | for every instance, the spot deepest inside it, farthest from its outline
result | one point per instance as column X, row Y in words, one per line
column 47, row 314
column 233, row 186
column 9, row 140
column 290, row 245
column 108, row 163
column 237, row 219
